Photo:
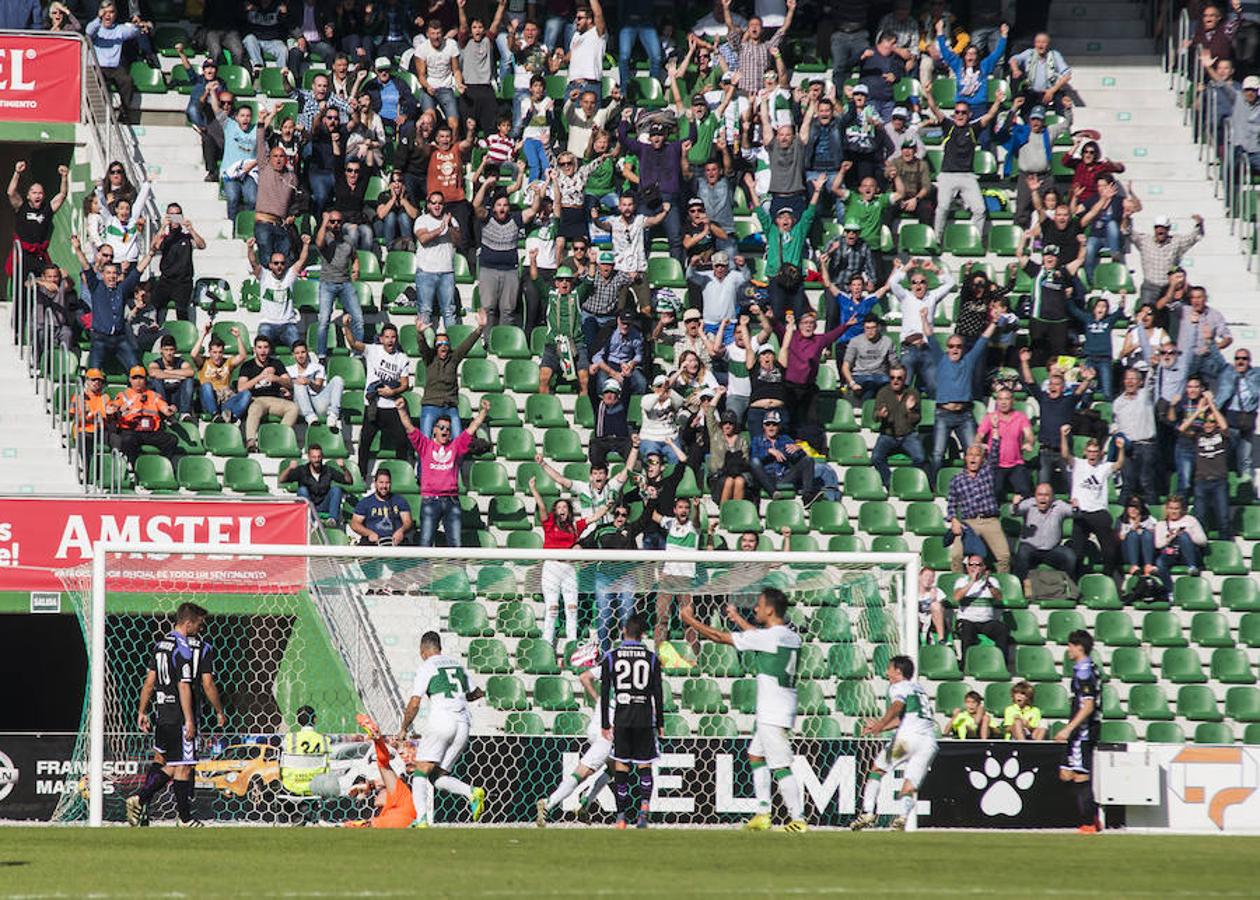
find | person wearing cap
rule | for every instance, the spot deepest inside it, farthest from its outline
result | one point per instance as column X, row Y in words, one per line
column 962, row 137
column 1161, row 252
column 1031, row 146
column 88, row 410
column 787, row 241
column 847, row 306
column 720, row 289
column 1244, row 122
column 109, row 294
column 601, row 303
column 911, row 179
column 172, row 377
column 767, row 383
column 900, row 131
column 618, row 356
column 658, row 433
column 564, row 347
column 697, row 123
column 139, row 415
column 1054, row 286
column 693, row 338
column 847, row 256
column 660, row 165
column 775, row 458
column 198, row 80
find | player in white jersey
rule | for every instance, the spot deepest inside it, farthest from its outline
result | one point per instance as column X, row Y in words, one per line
column 594, row 761
column 444, row 682
column 776, row 649
column 912, row 748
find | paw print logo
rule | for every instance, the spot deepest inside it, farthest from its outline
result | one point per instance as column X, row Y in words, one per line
column 1002, row 784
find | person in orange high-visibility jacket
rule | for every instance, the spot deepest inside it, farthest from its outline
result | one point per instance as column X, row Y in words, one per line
column 138, row 413
column 88, row 410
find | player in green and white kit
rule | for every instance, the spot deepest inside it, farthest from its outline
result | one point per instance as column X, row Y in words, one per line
column 911, row 749
column 776, row 649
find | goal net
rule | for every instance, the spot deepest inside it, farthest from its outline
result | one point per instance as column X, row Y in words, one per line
column 337, row 629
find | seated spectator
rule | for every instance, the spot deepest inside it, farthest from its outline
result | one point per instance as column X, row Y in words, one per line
column 1179, row 540
column 1238, row 391
column 139, row 416
column 1211, row 467
column 381, row 519
column 1044, row 73
column 57, row 309
column 438, row 460
column 1090, row 477
column 611, row 431
column 1041, row 536
column 776, row 458
column 564, row 348
column 339, row 269
column 730, row 472
column 898, row 410
column 315, row 394
column 142, row 319
column 88, row 412
column 391, row 99
column 173, row 378
column 269, row 387
column 278, row 317
column 1021, row 721
column 911, row 180
column 317, row 483
column 388, row 380
column 971, row 721
column 1135, row 529
column 868, row 360
column 395, row 215
column 1017, row 439
column 979, row 601
column 955, row 388
column 218, row 396
column 366, row 142
column 935, row 622
column 972, row 504
column 266, row 26
column 441, row 375
column 109, row 293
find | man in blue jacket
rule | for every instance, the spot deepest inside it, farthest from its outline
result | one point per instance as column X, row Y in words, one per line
column 1238, row 396
column 954, row 378
column 109, row 294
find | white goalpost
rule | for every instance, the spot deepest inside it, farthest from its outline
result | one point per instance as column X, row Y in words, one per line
column 345, row 583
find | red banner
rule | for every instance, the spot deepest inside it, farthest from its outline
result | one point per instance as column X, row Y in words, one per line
column 40, row 78
column 39, row 536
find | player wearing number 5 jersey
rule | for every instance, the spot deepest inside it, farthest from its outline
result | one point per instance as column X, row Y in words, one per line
column 632, row 715
column 775, row 648
column 445, row 683
column 912, row 748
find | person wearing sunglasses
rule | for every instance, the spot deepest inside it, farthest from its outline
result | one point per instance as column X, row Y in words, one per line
column 1238, row 396
column 438, row 462
column 963, row 137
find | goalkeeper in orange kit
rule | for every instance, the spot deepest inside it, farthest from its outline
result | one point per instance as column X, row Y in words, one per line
column 395, row 808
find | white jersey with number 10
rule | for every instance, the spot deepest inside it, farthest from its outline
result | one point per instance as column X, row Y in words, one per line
column 776, row 651
column 916, row 717
column 444, row 681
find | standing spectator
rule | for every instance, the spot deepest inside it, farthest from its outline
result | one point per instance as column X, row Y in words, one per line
column 1017, row 439
column 850, row 38
column 776, row 458
column 868, row 360
column 585, row 56
column 108, row 37
column 109, row 293
column 315, row 394
column 660, row 165
column 240, row 187
column 395, row 215
column 1179, row 540
column 121, row 221
column 476, row 39
column 658, row 434
column 1055, row 409
column 350, row 199
column 446, row 177
column 1054, row 289
column 266, row 26
column 219, row 30
column 278, row 317
column 1142, row 340
column 391, row 99
column 979, row 601
column 1044, row 74
column 1097, row 324
column 1031, row 148
column 1184, row 415
column 898, row 410
column 600, row 304
column 915, row 303
column 1135, row 529
column 269, row 386
column 613, row 586
column 23, row 15
column 800, row 353
column 172, row 378
column 388, row 379
column 33, row 220
column 1041, row 536
column 441, row 375
column 590, row 497
column 436, row 61
column 956, row 178
column 785, row 154
column 1211, row 467
column 1090, row 478
column 720, row 290
column 637, row 24
column 1086, row 161
column 564, row 347
column 619, row 356
column 561, row 530
column 139, row 416
column 628, row 229
column 1239, row 397
column 1202, row 333
column 339, row 269
column 382, row 519
column 955, row 380
column 971, row 503
column 317, row 483
column 498, row 264
column 176, row 242
column 315, row 102
column 214, row 370
column 1133, row 417
column 682, row 531
column 787, row 241
column 1160, row 253
column 436, row 235
column 277, row 187
column 438, row 463
column 1245, row 122
column 971, row 73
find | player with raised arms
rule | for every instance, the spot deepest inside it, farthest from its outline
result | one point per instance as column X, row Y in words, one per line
column 395, row 807
column 179, row 661
column 443, row 680
column 631, row 676
column 912, row 748
column 776, row 649
column 594, row 761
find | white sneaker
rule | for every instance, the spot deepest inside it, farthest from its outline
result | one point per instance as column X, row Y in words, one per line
column 312, row 420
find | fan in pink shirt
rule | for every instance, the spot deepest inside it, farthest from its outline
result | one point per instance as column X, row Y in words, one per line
column 1016, row 434
column 439, row 458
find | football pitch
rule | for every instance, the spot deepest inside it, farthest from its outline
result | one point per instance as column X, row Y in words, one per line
column 600, row 862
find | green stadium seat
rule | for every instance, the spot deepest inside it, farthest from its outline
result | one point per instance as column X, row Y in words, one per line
column 1025, row 629
column 277, row 441
column 911, row 484
column 185, row 334
column 963, row 239
column 924, row 518
column 1004, row 238
column 847, row 661
column 720, row 660
column 1197, row 703
column 846, row 543
column 676, row 726
column 1112, row 707
column 510, row 514
column 716, row 726
column 831, row 625
column 997, row 696
column 819, row 727
column 1033, row 664
column 702, row 695
column 516, row 618
column 1115, row 629
column 1181, row 665
column 554, row 693
column 196, row 473
column 863, row 484
column 829, row 517
column 1165, row 733
column 1231, row 666
column 1117, row 733
column 1242, row 704
column 856, row 698
column 744, row 695
column 451, row 583
column 524, row 540
column 333, row 445
column 1251, row 734
column 516, row 444
column 1112, row 277
column 1193, row 594
column 1249, row 629
column 782, row 514
column 986, row 663
column 915, row 239
column 489, row 478
column 1062, row 622
column 544, row 411
column 524, row 723
column 812, row 662
column 738, row 516
column 950, row 695
column 878, row 627
column 850, row 450
column 505, row 692
column 469, row 619
column 154, row 473
column 1162, row 629
column 521, row 376
column 563, row 445
column 570, row 723
column 147, row 80
column 1132, row 665
column 836, row 414
column 933, row 553
column 888, row 543
column 222, row 439
column 1012, row 591
column 665, row 271
column 480, row 375
column 938, row 663
column 502, row 411
column 1210, row 629
column 1240, row 593
column 400, row 265
column 875, row 517
column 1223, row 558
column 1149, row 702
column 497, row 583
column 509, row 342
column 1053, row 701
column 244, row 476
column 1099, row 592
column 810, row 700
column 1213, row 733
column 488, row 656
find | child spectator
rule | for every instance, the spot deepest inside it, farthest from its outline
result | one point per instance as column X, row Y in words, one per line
column 1022, row 721
column 971, row 721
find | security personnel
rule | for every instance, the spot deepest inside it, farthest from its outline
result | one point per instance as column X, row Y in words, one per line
column 139, row 413
column 304, row 755
column 88, row 410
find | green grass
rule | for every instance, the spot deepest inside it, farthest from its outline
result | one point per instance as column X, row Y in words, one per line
column 663, row 862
